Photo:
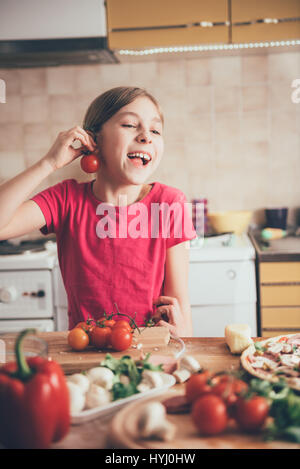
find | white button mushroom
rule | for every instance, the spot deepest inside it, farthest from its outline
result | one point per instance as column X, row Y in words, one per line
column 188, row 366
column 152, row 422
column 97, row 397
column 81, row 380
column 77, row 398
column 102, row 376
column 150, row 379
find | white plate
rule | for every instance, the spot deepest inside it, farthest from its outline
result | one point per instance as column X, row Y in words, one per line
column 91, row 414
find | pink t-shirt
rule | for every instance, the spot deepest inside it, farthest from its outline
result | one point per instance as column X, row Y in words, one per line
column 111, row 254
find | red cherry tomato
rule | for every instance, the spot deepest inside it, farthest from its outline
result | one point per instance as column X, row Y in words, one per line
column 100, row 337
column 197, row 385
column 78, row 339
column 121, row 339
column 251, row 413
column 89, row 163
column 209, row 414
column 107, row 322
column 228, row 388
column 124, row 324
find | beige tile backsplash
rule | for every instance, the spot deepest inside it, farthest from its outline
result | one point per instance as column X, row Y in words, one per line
column 232, row 133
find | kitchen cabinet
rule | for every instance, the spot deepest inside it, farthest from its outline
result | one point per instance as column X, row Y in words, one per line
column 136, row 24
column 245, row 14
column 279, row 284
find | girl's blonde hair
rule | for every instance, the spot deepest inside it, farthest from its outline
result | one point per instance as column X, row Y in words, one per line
column 109, row 103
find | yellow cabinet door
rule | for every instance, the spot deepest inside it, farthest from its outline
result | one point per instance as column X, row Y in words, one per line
column 280, row 295
column 288, row 317
column 245, row 10
column 136, row 24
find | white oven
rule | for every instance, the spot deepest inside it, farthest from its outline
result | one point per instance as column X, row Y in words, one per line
column 27, row 283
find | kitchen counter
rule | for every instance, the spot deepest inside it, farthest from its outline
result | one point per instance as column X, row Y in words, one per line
column 212, row 353
column 280, row 250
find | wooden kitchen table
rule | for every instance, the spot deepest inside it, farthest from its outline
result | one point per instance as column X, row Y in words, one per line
column 212, row 353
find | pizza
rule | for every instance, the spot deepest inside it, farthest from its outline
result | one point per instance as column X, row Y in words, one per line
column 274, row 358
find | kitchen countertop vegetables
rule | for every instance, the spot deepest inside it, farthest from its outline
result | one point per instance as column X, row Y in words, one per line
column 34, row 401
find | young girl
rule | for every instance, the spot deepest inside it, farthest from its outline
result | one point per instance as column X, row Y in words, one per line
column 111, row 238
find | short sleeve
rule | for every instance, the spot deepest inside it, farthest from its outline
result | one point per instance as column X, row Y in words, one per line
column 52, row 202
column 181, row 224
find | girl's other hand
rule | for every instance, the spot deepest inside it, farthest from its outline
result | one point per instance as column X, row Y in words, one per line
column 62, row 153
column 168, row 314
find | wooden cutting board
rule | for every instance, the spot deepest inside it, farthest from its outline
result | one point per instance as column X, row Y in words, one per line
column 154, row 340
column 123, row 434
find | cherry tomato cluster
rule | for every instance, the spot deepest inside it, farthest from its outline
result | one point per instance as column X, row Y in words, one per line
column 215, row 399
column 104, row 333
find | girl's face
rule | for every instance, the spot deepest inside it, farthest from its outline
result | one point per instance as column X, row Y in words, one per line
column 130, row 143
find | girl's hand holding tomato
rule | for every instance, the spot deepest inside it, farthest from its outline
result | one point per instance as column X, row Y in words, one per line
column 62, row 152
column 168, row 314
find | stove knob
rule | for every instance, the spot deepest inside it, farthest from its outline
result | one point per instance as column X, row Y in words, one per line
column 8, row 294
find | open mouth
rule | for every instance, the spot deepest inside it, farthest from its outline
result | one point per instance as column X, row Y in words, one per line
column 139, row 159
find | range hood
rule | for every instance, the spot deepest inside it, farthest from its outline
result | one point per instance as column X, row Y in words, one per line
column 37, row 33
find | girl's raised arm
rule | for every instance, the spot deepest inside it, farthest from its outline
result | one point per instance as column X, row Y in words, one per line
column 19, row 216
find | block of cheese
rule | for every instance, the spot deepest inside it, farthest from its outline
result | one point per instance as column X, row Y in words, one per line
column 238, row 337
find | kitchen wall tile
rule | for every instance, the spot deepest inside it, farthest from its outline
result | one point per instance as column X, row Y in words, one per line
column 36, row 136
column 143, row 77
column 198, row 72
column 113, row 75
column 280, row 96
column 199, row 128
column 254, row 69
column 171, row 74
column 35, row 109
column 283, row 125
column 16, row 164
column 231, row 131
column 11, row 137
column 33, row 81
column 255, row 156
column 226, row 71
column 11, row 110
column 61, row 80
column 88, row 80
column 255, row 126
column 62, row 108
column 254, row 98
column 199, row 100
column 283, row 67
column 12, row 80
column 226, row 98
column 227, row 127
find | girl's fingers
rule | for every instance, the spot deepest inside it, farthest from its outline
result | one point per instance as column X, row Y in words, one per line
column 171, row 328
column 80, row 134
column 165, row 300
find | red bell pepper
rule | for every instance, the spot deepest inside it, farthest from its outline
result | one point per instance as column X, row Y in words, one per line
column 34, row 401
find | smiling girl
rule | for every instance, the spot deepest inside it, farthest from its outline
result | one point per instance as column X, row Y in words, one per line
column 144, row 271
